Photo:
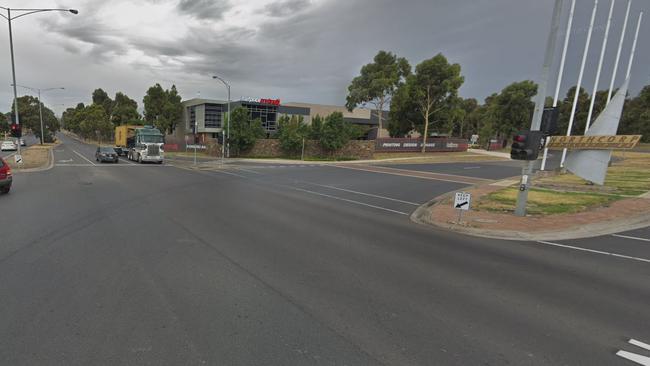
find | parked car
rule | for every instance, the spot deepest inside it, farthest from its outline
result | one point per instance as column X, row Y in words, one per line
column 5, row 177
column 8, row 146
column 22, row 142
column 106, row 154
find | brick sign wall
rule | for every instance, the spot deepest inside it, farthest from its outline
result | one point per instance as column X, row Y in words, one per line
column 414, row 145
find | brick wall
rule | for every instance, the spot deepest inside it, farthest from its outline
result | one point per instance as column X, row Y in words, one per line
column 353, row 149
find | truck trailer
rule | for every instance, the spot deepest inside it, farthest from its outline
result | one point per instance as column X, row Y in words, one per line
column 142, row 143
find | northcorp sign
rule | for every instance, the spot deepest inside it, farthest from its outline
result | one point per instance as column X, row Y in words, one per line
column 593, row 142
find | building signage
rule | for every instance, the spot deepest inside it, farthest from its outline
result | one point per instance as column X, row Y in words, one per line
column 261, row 100
column 613, row 142
column 407, row 144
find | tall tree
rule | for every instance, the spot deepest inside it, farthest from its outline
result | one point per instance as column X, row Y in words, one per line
column 434, row 87
column 336, row 132
column 244, row 131
column 636, row 115
column 513, row 107
column 162, row 108
column 101, row 98
column 377, row 82
column 30, row 117
column 125, row 110
column 582, row 110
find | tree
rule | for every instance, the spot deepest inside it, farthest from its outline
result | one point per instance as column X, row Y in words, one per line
column 514, row 107
column 377, row 82
column 162, row 108
column 243, row 130
column 582, row 110
column 95, row 121
column 291, row 133
column 636, row 115
column 316, row 127
column 30, row 117
column 101, row 98
column 404, row 113
column 125, row 110
column 434, row 87
column 336, row 132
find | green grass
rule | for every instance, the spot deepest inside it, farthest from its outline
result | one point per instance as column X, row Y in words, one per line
column 545, row 202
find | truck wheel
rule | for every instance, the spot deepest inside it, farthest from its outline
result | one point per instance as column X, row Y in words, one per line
column 139, row 158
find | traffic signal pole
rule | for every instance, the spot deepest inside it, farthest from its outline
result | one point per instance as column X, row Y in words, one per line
column 527, row 170
column 13, row 73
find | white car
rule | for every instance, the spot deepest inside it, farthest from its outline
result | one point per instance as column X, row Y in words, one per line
column 8, row 146
column 22, row 142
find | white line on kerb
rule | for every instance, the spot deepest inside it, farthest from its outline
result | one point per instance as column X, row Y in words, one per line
column 630, row 237
column 83, row 157
column 596, row 251
column 350, row 201
column 364, row 194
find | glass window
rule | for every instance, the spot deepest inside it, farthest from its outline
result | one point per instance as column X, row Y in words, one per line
column 213, row 115
column 192, row 112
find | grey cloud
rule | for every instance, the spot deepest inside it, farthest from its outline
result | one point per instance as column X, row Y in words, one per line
column 204, row 9
column 286, row 7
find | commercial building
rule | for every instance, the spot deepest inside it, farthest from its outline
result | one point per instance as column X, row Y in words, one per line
column 204, row 118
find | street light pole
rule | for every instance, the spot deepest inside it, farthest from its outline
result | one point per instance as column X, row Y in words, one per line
column 225, row 132
column 40, row 105
column 11, row 47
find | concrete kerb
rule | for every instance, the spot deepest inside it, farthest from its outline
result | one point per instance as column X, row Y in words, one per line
column 422, row 216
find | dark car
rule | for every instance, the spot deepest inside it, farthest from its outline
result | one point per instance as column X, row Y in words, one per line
column 121, row 151
column 106, row 154
column 5, row 177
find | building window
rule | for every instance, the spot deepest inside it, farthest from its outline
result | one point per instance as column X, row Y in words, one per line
column 192, row 113
column 213, row 115
column 266, row 113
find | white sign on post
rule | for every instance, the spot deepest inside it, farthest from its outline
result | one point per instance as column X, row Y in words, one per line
column 19, row 159
column 462, row 201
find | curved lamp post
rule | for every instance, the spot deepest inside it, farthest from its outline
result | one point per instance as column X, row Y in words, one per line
column 227, row 132
column 21, row 13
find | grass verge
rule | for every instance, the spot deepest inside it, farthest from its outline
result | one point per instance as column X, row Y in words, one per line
column 545, row 202
column 33, row 157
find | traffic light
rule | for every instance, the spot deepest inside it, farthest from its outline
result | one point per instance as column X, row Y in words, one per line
column 549, row 121
column 16, row 130
column 526, row 145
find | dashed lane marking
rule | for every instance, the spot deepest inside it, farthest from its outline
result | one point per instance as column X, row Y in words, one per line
column 639, row 359
column 630, row 237
column 349, row 201
column 83, row 157
column 596, row 251
column 364, row 194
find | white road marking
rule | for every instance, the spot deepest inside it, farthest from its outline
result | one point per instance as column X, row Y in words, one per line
column 641, row 360
column 472, row 167
column 405, row 174
column 229, row 173
column 65, row 161
column 83, row 157
column 364, row 194
column 630, row 237
column 248, row 170
column 350, row 201
column 645, row 346
column 596, row 251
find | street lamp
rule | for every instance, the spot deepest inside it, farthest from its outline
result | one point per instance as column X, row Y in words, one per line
column 40, row 103
column 22, row 12
column 223, row 146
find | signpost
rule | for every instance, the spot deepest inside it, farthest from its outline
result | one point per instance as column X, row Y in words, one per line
column 462, row 202
column 19, row 159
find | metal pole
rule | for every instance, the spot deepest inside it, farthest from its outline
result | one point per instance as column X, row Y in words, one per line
column 600, row 66
column 228, row 85
column 636, row 37
column 582, row 72
column 40, row 113
column 618, row 53
column 302, row 155
column 13, row 73
column 527, row 170
column 556, row 97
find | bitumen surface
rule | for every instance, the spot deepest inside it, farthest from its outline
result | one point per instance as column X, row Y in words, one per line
column 127, row 264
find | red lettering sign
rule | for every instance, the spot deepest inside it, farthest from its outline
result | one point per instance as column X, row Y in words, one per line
column 270, row 101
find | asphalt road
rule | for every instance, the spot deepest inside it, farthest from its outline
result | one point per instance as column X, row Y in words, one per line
column 106, row 264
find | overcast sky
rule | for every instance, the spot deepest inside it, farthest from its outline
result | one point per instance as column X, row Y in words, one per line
column 295, row 50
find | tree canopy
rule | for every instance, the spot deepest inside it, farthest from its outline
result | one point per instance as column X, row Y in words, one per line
column 244, row 131
column 377, row 82
column 162, row 108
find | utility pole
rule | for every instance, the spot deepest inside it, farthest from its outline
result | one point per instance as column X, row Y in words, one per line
column 527, row 169
column 580, row 75
column 40, row 105
column 556, row 97
column 225, row 132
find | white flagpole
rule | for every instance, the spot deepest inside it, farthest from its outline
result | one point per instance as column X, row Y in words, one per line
column 636, row 36
column 567, row 36
column 618, row 53
column 600, row 66
column 582, row 72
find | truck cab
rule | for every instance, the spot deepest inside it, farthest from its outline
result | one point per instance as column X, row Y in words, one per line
column 145, row 144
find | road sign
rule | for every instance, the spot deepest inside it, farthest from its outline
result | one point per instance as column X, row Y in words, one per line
column 19, row 159
column 462, row 201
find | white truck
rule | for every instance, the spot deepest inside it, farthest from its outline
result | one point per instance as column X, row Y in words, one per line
column 143, row 143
